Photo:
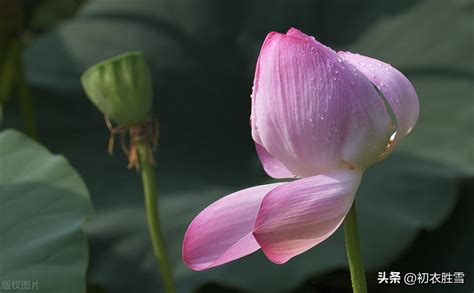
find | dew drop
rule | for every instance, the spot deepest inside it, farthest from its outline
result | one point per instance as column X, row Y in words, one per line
column 392, row 137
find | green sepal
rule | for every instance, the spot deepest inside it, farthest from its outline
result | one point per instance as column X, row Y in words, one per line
column 121, row 88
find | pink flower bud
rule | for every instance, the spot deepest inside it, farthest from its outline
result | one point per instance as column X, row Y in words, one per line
column 315, row 110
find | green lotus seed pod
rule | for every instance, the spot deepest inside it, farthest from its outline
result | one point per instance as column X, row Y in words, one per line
column 121, row 88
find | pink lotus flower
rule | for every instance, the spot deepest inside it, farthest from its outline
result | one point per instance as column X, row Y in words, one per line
column 317, row 115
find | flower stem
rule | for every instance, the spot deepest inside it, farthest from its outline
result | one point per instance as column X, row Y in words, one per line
column 12, row 72
column 149, row 189
column 351, row 233
column 25, row 100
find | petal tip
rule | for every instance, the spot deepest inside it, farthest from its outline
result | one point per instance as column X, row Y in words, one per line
column 299, row 215
column 222, row 232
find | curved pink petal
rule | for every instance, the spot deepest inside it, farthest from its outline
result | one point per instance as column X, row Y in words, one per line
column 223, row 231
column 255, row 132
column 298, row 215
column 307, row 105
column 272, row 166
column 370, row 126
column 292, row 114
column 395, row 87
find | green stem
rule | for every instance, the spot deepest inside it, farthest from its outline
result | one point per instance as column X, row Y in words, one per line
column 149, row 189
column 359, row 284
column 8, row 72
column 25, row 99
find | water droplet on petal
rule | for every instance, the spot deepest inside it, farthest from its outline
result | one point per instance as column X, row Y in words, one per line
column 392, row 137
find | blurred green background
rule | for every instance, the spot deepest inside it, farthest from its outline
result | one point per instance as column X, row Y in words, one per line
column 415, row 208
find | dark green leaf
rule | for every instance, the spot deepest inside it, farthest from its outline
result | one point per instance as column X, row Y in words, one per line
column 43, row 205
